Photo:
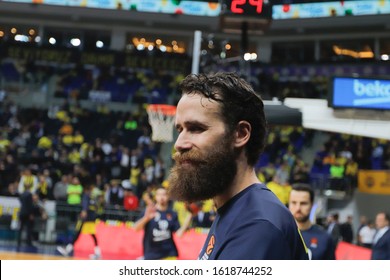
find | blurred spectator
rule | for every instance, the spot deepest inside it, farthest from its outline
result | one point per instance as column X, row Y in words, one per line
column 130, row 200
column 78, row 139
column 12, row 190
column 300, row 172
column 346, row 230
column 60, row 191
column 125, row 162
column 115, row 193
column 381, row 242
column 200, row 217
column 377, row 156
column 9, row 172
column 159, row 170
column 282, row 191
column 366, row 234
column 86, row 223
column 135, row 173
column 74, row 156
column 66, row 129
column 142, row 185
column 106, row 147
column 45, row 142
column 130, row 123
column 362, row 222
column 26, row 214
column 43, row 188
column 74, row 191
column 269, row 171
column 144, row 140
column 28, row 178
column 337, row 181
column 283, row 173
column 149, row 169
column 351, row 173
column 4, row 142
column 333, row 228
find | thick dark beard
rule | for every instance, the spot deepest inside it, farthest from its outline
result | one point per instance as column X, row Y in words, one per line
column 209, row 176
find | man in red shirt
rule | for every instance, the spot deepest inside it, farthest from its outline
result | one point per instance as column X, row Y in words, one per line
column 130, row 200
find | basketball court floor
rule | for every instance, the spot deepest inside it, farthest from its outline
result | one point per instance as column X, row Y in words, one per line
column 9, row 251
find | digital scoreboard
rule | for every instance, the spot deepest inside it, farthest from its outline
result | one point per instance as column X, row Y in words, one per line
column 248, row 8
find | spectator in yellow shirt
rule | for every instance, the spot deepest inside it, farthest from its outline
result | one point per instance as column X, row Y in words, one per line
column 282, row 191
column 45, row 142
column 78, row 138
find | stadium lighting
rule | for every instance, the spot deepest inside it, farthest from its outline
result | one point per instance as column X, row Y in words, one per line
column 21, row 38
column 250, row 56
column 163, row 48
column 52, row 41
column 75, row 42
column 99, row 44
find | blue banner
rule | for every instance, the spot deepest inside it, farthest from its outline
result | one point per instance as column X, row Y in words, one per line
column 361, row 93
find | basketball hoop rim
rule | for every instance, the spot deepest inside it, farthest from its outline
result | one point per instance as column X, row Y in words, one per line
column 166, row 109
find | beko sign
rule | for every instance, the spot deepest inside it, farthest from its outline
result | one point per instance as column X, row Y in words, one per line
column 364, row 93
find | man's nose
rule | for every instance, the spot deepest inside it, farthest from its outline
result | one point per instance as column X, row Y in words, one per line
column 183, row 142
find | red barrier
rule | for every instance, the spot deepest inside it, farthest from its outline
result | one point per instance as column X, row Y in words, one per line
column 119, row 241
column 348, row 251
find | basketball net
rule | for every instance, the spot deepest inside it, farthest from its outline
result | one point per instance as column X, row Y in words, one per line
column 161, row 119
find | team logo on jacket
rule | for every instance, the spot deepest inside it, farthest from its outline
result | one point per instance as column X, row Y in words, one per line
column 314, row 242
column 209, row 248
column 210, row 245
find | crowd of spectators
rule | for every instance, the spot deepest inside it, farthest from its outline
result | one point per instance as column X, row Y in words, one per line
column 75, row 146
column 65, row 147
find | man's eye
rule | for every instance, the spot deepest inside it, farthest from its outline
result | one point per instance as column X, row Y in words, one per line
column 196, row 129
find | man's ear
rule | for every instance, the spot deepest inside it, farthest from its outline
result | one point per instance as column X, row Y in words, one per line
column 243, row 133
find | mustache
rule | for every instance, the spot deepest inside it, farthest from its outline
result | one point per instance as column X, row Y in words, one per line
column 190, row 156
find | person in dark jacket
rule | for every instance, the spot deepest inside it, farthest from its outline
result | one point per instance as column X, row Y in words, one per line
column 26, row 215
column 381, row 243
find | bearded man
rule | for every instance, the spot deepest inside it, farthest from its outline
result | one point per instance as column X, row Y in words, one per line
column 222, row 129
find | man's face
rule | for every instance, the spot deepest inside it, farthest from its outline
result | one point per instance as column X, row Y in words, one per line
column 300, row 205
column 205, row 158
column 380, row 221
column 161, row 197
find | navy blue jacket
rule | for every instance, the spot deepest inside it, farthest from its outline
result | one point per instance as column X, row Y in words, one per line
column 319, row 242
column 381, row 249
column 254, row 225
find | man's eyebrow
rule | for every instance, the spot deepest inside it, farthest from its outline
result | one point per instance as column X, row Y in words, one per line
column 192, row 123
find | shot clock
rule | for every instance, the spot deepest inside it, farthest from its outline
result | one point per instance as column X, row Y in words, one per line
column 248, row 8
column 248, row 17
